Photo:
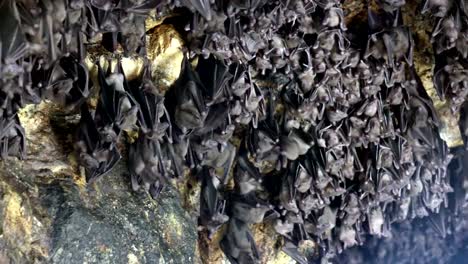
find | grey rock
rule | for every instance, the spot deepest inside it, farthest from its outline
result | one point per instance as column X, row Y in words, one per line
column 49, row 215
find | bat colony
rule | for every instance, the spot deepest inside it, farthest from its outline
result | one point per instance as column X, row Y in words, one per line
column 344, row 145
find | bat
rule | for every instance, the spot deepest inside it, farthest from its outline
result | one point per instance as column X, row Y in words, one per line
column 238, row 244
column 12, row 137
column 212, row 204
column 96, row 155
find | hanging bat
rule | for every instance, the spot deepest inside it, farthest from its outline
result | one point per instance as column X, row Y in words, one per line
column 12, row 137
column 96, row 155
column 150, row 156
column 215, row 76
column 185, row 102
column 146, row 165
column 212, row 204
column 238, row 243
column 116, row 109
column 68, row 82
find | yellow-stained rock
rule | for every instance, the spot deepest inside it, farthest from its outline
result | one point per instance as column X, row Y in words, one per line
column 17, row 223
column 281, row 258
column 269, row 243
column 49, row 214
column 132, row 259
column 209, row 250
column 164, row 51
column 421, row 27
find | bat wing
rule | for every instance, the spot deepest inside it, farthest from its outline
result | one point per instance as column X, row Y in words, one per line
column 97, row 157
column 216, row 75
column 88, row 131
column 440, row 83
column 12, row 137
column 217, row 116
column 292, row 250
column 12, row 39
column 112, row 156
column 201, row 6
column 463, row 123
column 68, row 82
column 106, row 107
column 145, row 6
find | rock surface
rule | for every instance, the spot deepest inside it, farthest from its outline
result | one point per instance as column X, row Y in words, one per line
column 49, row 215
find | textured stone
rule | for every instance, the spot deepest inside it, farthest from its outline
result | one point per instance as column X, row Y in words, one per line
column 49, row 215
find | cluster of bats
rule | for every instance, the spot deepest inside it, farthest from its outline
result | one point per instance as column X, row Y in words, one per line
column 442, row 236
column 289, row 118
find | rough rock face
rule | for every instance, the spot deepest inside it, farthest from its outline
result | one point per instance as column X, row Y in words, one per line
column 49, row 215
